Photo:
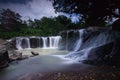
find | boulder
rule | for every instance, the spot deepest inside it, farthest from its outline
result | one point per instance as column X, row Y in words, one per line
column 4, row 56
column 4, row 60
column 16, row 55
column 34, row 53
column 105, row 54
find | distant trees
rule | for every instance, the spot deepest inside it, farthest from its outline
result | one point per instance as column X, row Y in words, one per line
column 9, row 20
column 11, row 25
column 93, row 12
column 53, row 25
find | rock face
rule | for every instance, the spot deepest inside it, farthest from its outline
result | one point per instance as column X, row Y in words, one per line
column 16, row 55
column 4, row 57
column 105, row 54
column 97, row 46
column 68, row 39
column 8, row 53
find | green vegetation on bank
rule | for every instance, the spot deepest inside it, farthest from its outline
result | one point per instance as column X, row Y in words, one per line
column 11, row 25
column 90, row 12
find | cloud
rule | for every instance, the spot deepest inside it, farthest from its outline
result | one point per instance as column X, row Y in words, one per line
column 14, row 1
column 34, row 9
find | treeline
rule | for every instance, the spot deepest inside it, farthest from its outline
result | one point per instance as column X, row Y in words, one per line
column 11, row 25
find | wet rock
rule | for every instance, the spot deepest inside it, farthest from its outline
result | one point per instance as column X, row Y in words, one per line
column 96, row 28
column 105, row 54
column 68, row 39
column 4, row 56
column 4, row 60
column 34, row 42
column 16, row 55
column 34, row 53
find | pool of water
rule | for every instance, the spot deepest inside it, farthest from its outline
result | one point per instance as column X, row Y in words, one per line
column 48, row 60
column 44, row 51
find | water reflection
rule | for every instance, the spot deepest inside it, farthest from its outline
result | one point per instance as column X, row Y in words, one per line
column 42, row 63
column 44, row 51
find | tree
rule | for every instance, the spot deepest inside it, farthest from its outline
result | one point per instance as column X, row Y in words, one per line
column 10, row 21
column 92, row 12
column 64, row 21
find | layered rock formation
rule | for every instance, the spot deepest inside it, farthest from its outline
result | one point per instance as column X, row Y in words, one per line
column 4, row 57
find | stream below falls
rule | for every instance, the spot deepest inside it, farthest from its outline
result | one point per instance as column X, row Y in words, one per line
column 45, row 62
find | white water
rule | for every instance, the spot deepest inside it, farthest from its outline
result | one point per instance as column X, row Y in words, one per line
column 51, row 42
column 44, row 39
column 67, row 40
column 54, row 41
column 28, row 42
column 83, row 48
column 19, row 42
column 79, row 41
column 88, row 40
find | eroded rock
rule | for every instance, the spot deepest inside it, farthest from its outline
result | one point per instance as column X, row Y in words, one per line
column 16, row 55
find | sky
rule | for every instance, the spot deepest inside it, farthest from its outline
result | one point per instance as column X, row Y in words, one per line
column 32, row 9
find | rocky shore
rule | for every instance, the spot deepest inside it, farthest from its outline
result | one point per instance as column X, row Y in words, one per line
column 4, row 57
column 96, row 73
column 8, row 53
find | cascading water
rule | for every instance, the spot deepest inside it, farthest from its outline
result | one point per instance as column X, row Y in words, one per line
column 80, row 47
column 18, row 43
column 79, row 41
column 44, row 42
column 88, row 41
column 22, row 41
column 54, row 41
column 67, row 40
column 28, row 42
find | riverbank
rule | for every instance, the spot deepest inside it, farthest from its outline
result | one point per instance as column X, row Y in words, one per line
column 75, row 75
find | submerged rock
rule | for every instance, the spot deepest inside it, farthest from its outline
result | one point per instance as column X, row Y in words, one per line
column 34, row 54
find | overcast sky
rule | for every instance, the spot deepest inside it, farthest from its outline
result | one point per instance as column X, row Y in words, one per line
column 34, row 9
column 31, row 9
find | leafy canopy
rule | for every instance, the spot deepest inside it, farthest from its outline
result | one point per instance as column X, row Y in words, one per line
column 91, row 11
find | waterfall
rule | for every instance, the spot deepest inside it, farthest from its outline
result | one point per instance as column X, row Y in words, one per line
column 67, row 40
column 18, row 43
column 44, row 42
column 51, row 42
column 28, row 43
column 79, row 41
column 89, row 40
column 54, row 41
column 22, row 41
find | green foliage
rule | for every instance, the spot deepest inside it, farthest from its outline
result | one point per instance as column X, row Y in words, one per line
column 52, row 26
column 12, row 26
